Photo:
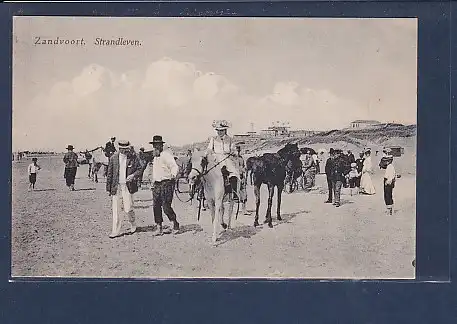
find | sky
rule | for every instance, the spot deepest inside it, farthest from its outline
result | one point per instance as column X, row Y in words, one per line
column 316, row 74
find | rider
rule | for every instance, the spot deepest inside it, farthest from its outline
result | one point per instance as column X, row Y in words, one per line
column 223, row 148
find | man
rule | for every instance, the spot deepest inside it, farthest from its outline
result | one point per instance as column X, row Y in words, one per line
column 110, row 148
column 88, row 158
column 32, row 171
column 338, row 176
column 144, row 163
column 329, row 165
column 71, row 166
column 359, row 163
column 238, row 158
column 389, row 183
column 351, row 157
column 124, row 168
column 164, row 173
column 308, row 169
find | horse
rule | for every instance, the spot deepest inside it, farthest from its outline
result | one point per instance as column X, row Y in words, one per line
column 99, row 159
column 270, row 169
column 208, row 171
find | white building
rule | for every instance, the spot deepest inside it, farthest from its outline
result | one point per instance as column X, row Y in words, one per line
column 362, row 124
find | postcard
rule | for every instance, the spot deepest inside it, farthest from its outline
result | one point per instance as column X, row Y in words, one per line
column 161, row 148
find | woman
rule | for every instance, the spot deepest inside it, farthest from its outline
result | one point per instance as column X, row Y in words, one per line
column 71, row 166
column 222, row 148
column 366, row 184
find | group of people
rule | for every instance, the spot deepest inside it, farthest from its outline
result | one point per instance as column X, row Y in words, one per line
column 342, row 170
column 125, row 169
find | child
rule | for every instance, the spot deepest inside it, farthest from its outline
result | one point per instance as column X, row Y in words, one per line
column 389, row 183
column 32, row 171
column 352, row 176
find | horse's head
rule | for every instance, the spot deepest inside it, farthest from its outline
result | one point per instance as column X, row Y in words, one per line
column 290, row 152
column 199, row 164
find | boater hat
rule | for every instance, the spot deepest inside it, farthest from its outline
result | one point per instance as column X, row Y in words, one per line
column 124, row 144
column 157, row 139
column 221, row 124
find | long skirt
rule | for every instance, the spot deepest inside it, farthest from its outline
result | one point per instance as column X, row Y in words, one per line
column 70, row 175
column 366, row 184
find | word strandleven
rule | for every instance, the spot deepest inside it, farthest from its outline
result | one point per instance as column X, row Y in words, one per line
column 120, row 41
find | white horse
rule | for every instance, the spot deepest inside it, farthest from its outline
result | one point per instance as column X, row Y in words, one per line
column 98, row 160
column 209, row 172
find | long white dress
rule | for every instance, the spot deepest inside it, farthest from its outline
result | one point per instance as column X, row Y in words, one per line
column 366, row 184
column 220, row 148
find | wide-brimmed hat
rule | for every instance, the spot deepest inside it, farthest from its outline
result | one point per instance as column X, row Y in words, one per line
column 124, row 144
column 70, row 147
column 157, row 139
column 113, row 138
column 221, row 124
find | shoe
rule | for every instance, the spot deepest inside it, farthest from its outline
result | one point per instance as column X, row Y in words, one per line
column 111, row 236
column 328, row 202
column 132, row 230
column 175, row 228
column 337, row 205
column 158, row 231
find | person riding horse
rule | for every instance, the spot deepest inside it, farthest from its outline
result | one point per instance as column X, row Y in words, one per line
column 222, row 147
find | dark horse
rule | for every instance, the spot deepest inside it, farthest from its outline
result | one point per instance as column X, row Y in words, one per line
column 270, row 169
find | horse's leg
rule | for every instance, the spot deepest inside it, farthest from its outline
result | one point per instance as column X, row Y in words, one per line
column 212, row 210
column 271, row 191
column 280, row 187
column 257, row 203
column 218, row 218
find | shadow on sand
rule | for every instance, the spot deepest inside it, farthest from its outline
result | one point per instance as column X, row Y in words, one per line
column 85, row 189
column 50, row 189
column 245, row 231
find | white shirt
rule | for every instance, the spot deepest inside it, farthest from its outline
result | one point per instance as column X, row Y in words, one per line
column 122, row 168
column 33, row 168
column 390, row 173
column 164, row 167
column 222, row 145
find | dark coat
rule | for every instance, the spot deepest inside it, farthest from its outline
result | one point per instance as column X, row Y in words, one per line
column 339, row 169
column 110, row 149
column 329, row 166
column 112, row 177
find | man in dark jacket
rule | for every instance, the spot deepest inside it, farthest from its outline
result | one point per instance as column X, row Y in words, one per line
column 124, row 170
column 110, row 149
column 359, row 163
column 329, row 165
column 71, row 166
column 338, row 176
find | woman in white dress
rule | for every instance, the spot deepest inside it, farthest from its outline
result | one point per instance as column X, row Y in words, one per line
column 366, row 184
column 222, row 147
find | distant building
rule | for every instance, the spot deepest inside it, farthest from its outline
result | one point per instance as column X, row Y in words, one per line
column 303, row 132
column 276, row 131
column 361, row 124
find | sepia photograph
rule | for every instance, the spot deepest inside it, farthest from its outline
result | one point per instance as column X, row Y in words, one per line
column 162, row 148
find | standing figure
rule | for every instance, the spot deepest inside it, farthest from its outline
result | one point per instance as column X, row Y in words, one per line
column 366, row 184
column 359, row 163
column 308, row 169
column 32, row 171
column 71, row 166
column 338, row 176
column 352, row 177
column 242, row 169
column 164, row 173
column 144, row 163
column 89, row 160
column 124, row 169
column 389, row 183
column 110, row 148
column 329, row 166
